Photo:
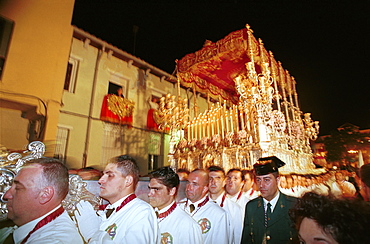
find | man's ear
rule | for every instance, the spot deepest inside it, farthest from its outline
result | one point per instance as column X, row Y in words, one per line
column 205, row 189
column 173, row 191
column 129, row 180
column 46, row 194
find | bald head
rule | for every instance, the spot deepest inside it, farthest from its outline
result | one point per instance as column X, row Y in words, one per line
column 197, row 185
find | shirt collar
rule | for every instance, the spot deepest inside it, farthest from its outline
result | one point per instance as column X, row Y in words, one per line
column 273, row 201
column 197, row 202
column 117, row 203
column 218, row 199
column 164, row 209
column 22, row 231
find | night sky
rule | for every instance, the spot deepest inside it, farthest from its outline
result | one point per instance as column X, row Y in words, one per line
column 323, row 44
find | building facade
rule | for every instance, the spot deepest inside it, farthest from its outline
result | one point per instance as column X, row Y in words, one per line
column 35, row 43
column 96, row 69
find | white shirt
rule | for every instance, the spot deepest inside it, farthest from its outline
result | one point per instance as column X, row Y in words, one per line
column 179, row 227
column 272, row 202
column 336, row 190
column 241, row 199
column 235, row 216
column 60, row 230
column 135, row 223
column 212, row 219
column 252, row 194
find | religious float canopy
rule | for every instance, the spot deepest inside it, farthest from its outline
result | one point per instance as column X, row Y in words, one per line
column 257, row 113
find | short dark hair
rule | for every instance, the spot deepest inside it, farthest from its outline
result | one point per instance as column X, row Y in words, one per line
column 215, row 168
column 182, row 170
column 236, row 170
column 127, row 166
column 346, row 220
column 251, row 173
column 166, row 176
column 365, row 174
column 54, row 173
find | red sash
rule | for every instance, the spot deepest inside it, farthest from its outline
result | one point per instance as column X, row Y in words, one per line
column 44, row 221
column 170, row 210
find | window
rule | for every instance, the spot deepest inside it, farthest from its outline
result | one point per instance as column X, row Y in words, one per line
column 154, row 149
column 113, row 139
column 71, row 75
column 61, row 143
column 6, row 29
column 113, row 89
column 153, row 162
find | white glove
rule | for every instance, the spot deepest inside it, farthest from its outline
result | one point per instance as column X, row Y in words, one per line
column 87, row 219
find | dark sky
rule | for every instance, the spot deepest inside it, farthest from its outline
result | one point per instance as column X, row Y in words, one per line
column 323, row 44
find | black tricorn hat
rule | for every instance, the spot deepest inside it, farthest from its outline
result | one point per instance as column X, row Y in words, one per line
column 268, row 165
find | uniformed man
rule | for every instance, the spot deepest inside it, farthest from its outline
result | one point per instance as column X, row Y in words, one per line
column 34, row 205
column 211, row 217
column 217, row 181
column 126, row 219
column 267, row 217
column 175, row 225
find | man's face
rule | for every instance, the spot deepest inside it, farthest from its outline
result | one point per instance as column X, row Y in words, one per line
column 248, row 182
column 339, row 176
column 283, row 182
column 234, row 182
column 216, row 182
column 268, row 186
column 289, row 182
column 311, row 233
column 112, row 184
column 309, row 181
column 23, row 196
column 196, row 187
column 159, row 196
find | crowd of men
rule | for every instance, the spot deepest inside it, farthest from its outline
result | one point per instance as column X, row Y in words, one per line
column 238, row 206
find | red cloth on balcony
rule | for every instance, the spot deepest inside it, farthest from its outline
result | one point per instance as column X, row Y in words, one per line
column 109, row 116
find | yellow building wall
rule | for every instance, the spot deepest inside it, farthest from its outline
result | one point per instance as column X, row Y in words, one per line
column 88, row 137
column 37, row 56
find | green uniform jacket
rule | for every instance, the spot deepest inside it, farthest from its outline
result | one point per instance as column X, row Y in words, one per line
column 279, row 230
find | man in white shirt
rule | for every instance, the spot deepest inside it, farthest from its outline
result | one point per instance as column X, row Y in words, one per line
column 126, row 219
column 34, row 205
column 217, row 181
column 341, row 187
column 211, row 217
column 234, row 186
column 175, row 225
column 250, row 188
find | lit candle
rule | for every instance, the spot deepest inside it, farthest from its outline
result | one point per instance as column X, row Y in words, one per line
column 227, row 122
column 231, row 120
column 204, row 123
column 218, row 125
column 212, row 126
column 189, row 131
column 222, row 126
column 236, row 118
column 242, row 119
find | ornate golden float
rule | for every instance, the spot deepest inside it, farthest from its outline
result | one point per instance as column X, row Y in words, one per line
column 256, row 113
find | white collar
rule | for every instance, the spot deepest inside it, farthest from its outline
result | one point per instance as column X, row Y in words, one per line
column 117, row 203
column 164, row 209
column 273, row 202
column 218, row 199
column 197, row 202
column 22, row 231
